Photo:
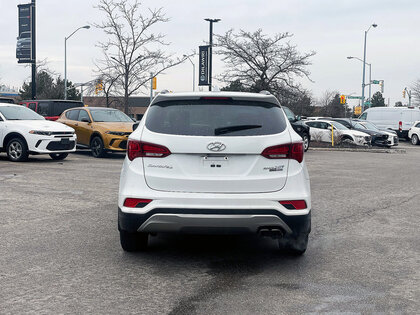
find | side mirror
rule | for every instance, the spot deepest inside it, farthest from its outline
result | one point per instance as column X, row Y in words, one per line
column 86, row 120
column 297, row 117
column 329, row 128
column 135, row 125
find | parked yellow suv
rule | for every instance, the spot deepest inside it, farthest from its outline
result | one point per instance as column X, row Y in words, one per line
column 98, row 128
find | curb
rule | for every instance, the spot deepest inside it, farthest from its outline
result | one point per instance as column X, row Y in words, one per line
column 390, row 151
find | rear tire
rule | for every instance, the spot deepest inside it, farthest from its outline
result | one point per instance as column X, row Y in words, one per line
column 414, row 139
column 97, row 147
column 17, row 150
column 294, row 245
column 305, row 139
column 133, row 242
column 58, row 156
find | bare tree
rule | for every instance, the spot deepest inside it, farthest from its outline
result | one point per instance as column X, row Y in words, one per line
column 131, row 52
column 415, row 88
column 326, row 98
column 109, row 77
column 261, row 62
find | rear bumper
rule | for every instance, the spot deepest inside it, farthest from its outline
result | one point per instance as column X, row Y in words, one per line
column 213, row 221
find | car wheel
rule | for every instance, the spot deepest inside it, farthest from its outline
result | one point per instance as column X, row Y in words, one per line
column 133, row 242
column 97, row 147
column 58, row 156
column 17, row 150
column 414, row 139
column 293, row 245
column 305, row 139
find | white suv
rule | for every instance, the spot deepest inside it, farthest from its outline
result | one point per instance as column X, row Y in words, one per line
column 24, row 132
column 215, row 163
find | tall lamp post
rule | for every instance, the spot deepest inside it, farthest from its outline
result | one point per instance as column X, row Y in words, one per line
column 211, row 48
column 364, row 66
column 65, row 58
column 370, row 74
column 193, row 80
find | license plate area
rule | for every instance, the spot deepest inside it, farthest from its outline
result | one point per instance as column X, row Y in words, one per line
column 216, row 162
column 64, row 141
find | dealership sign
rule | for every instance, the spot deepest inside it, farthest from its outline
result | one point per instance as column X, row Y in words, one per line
column 24, row 47
column 203, row 65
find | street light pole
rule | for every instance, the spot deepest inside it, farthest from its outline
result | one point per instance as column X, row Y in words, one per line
column 65, row 58
column 211, row 49
column 370, row 74
column 364, row 66
column 193, row 79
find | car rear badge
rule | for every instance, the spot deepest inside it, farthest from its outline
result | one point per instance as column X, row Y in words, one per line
column 277, row 168
column 216, row 146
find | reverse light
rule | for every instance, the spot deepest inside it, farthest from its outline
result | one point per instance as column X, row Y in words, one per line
column 292, row 151
column 137, row 149
column 136, row 202
column 294, row 204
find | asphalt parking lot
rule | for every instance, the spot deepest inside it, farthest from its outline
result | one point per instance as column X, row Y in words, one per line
column 60, row 252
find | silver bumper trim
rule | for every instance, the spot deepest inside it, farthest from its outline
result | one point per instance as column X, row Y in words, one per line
column 202, row 222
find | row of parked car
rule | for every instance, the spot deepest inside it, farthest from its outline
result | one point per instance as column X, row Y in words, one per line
column 24, row 132
column 104, row 129
column 357, row 131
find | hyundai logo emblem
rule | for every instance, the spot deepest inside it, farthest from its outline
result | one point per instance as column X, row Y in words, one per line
column 216, row 146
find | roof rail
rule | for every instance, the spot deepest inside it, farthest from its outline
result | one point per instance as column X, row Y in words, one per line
column 265, row 92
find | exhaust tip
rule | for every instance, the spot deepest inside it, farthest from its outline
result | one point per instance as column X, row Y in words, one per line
column 273, row 232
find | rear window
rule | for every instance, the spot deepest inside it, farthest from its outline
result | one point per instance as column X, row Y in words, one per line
column 59, row 107
column 215, row 118
column 72, row 114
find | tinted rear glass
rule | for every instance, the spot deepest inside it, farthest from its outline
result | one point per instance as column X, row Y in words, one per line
column 59, row 107
column 215, row 118
column 73, row 114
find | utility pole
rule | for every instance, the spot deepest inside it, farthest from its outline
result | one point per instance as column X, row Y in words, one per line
column 33, row 49
column 151, row 87
column 364, row 66
column 211, row 49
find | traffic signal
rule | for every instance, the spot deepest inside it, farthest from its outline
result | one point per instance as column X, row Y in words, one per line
column 154, row 84
column 381, row 84
column 342, row 99
column 99, row 86
column 403, row 93
column 358, row 110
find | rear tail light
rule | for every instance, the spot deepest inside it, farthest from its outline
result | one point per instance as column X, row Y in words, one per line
column 136, row 203
column 294, row 204
column 292, row 151
column 137, row 149
column 400, row 126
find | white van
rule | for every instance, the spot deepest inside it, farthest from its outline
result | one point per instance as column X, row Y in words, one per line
column 399, row 119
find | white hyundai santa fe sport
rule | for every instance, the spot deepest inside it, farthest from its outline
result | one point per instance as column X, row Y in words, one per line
column 215, row 162
column 24, row 132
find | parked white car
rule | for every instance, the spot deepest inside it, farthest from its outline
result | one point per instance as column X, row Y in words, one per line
column 414, row 133
column 399, row 119
column 321, row 130
column 215, row 162
column 24, row 132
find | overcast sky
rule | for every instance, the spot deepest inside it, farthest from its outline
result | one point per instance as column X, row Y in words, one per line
column 332, row 28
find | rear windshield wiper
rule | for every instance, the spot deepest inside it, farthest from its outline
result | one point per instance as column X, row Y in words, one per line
column 223, row 130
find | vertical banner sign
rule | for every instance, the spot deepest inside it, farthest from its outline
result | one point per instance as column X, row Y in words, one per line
column 24, row 40
column 203, row 65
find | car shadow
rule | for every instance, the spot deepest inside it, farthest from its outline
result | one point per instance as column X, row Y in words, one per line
column 108, row 155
